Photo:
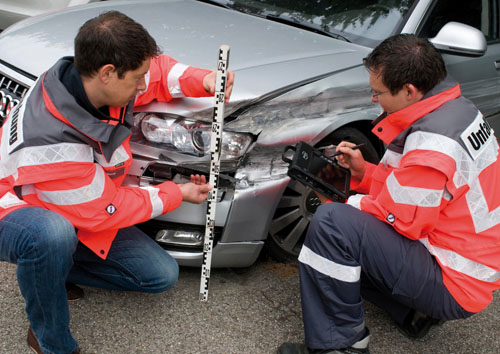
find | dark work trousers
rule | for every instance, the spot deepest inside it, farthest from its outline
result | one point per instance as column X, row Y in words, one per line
column 348, row 254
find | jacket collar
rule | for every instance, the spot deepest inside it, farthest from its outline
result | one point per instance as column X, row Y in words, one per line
column 387, row 127
column 63, row 106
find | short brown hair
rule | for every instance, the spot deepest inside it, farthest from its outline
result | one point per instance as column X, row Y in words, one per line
column 112, row 38
column 407, row 59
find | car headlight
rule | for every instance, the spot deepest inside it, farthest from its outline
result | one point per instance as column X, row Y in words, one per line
column 190, row 137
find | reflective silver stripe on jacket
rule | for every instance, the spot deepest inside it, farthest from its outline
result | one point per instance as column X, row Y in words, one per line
column 421, row 197
column 75, row 196
column 156, row 202
column 46, row 154
column 391, row 158
column 119, row 156
column 467, row 172
column 327, row 267
column 174, row 86
column 355, row 200
column 10, row 200
column 467, row 169
column 461, row 264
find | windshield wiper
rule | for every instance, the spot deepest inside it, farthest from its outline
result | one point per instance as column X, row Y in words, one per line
column 306, row 26
column 277, row 18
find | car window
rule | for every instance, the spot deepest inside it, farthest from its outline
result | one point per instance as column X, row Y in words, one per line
column 482, row 14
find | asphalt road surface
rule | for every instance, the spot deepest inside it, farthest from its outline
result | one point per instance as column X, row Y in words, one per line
column 249, row 311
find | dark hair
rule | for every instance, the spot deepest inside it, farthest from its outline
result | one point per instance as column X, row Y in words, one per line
column 407, row 59
column 112, row 38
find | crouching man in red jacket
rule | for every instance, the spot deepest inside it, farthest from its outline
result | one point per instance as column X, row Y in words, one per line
column 421, row 238
column 64, row 155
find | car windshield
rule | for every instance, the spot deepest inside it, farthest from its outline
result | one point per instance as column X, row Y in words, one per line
column 362, row 21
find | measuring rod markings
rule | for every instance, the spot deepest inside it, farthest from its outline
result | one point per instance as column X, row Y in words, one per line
column 215, row 154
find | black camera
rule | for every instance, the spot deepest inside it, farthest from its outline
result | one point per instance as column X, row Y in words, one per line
column 316, row 170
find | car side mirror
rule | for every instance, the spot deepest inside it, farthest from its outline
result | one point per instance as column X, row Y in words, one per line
column 460, row 39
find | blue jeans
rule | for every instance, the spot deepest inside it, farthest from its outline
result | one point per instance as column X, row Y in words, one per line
column 46, row 250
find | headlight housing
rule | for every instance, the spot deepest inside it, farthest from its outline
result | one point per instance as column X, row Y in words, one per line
column 186, row 136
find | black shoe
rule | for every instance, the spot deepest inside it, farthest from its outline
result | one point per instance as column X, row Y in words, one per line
column 73, row 292
column 360, row 347
column 416, row 325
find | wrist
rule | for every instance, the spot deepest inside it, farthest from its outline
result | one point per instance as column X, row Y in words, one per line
column 359, row 173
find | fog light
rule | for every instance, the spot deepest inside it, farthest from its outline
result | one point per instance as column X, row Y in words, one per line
column 180, row 238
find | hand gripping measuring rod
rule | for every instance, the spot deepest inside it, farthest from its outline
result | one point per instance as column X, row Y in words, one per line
column 215, row 154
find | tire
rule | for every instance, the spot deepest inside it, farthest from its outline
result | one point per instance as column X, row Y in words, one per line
column 298, row 203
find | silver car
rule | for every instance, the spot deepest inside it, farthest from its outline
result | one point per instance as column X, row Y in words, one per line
column 299, row 76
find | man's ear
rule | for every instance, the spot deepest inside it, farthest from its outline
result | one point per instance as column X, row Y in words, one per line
column 106, row 72
column 412, row 93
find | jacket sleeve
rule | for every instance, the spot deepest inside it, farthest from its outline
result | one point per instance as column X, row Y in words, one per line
column 169, row 79
column 363, row 186
column 410, row 200
column 90, row 200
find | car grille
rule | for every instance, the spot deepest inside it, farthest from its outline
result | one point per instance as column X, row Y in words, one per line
column 11, row 92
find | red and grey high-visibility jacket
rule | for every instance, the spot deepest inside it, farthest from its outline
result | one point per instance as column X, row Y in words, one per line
column 439, row 183
column 60, row 157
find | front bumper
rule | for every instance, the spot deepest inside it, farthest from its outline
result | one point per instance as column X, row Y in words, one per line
column 243, row 216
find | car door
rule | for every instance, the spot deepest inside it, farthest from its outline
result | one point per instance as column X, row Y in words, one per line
column 479, row 77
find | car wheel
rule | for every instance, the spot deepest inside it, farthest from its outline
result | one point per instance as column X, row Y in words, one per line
column 298, row 203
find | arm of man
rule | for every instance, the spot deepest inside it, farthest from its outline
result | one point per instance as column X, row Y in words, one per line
column 168, row 79
column 361, row 170
column 410, row 200
column 91, row 201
